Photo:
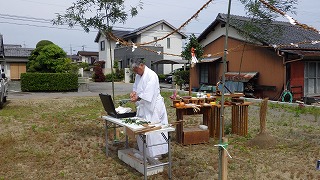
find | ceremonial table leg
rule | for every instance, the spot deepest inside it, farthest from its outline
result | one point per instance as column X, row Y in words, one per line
column 169, row 155
column 144, row 156
column 107, row 149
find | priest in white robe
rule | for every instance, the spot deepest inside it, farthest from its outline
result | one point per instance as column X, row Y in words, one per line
column 150, row 106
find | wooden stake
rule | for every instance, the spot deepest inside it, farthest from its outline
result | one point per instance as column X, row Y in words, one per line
column 263, row 114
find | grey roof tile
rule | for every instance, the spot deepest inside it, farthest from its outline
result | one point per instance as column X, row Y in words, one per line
column 17, row 52
column 276, row 33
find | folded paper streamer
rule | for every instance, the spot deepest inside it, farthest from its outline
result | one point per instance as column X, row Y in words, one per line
column 121, row 110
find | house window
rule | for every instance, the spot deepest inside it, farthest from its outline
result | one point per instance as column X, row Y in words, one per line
column 161, row 26
column 312, row 78
column 204, row 73
column 102, row 46
column 168, row 43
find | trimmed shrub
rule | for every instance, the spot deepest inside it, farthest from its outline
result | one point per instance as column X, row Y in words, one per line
column 162, row 77
column 117, row 76
column 98, row 75
column 49, row 82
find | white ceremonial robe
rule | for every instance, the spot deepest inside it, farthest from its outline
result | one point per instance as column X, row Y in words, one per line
column 152, row 108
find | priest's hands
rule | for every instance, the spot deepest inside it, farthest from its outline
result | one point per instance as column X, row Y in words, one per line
column 134, row 97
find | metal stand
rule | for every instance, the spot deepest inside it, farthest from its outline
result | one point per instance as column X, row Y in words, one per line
column 168, row 141
column 111, row 122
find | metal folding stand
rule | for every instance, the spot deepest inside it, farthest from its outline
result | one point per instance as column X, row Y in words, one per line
column 114, row 132
column 144, row 140
column 113, row 123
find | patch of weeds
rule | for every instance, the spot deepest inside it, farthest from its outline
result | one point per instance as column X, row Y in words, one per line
column 228, row 128
column 297, row 112
column 249, row 135
column 34, row 128
column 244, row 149
column 232, row 166
column 307, row 128
column 285, row 124
column 62, row 173
column 6, row 141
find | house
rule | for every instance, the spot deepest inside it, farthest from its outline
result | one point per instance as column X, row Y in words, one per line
column 16, row 58
column 264, row 63
column 152, row 52
column 88, row 56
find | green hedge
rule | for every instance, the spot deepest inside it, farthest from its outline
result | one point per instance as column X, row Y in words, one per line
column 49, row 82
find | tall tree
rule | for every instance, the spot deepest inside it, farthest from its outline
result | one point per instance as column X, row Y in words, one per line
column 50, row 58
column 97, row 14
column 192, row 43
column 262, row 16
column 257, row 10
column 186, row 53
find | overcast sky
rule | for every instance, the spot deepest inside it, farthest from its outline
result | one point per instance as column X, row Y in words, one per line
column 26, row 22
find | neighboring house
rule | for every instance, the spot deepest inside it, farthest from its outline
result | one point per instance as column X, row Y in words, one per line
column 73, row 57
column 265, row 63
column 171, row 45
column 88, row 57
column 16, row 58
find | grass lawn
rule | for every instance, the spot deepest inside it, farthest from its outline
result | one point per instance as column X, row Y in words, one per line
column 64, row 138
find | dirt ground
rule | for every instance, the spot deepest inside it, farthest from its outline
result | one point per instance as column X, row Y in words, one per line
column 64, row 138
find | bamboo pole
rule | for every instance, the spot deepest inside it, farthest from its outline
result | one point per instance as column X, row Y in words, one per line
column 224, row 161
column 222, row 92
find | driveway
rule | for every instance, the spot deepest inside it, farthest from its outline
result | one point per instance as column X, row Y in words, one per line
column 89, row 89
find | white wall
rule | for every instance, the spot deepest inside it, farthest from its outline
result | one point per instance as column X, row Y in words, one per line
column 221, row 31
column 175, row 43
column 175, row 46
column 105, row 54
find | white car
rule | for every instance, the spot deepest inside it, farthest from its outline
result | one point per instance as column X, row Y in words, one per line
column 3, row 90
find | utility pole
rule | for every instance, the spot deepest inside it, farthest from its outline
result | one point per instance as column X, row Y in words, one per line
column 70, row 50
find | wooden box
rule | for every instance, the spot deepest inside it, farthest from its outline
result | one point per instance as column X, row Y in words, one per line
column 134, row 158
column 195, row 135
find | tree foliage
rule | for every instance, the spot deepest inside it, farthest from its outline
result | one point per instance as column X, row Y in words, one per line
column 261, row 17
column 257, row 10
column 43, row 43
column 50, row 59
column 193, row 43
column 98, row 75
column 96, row 14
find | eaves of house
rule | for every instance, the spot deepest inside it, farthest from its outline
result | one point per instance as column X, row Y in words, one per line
column 277, row 34
column 117, row 33
column 145, row 28
column 88, row 53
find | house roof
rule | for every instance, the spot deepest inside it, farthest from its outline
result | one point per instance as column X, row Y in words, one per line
column 88, row 53
column 210, row 59
column 277, row 33
column 117, row 33
column 240, row 76
column 145, row 28
column 171, row 61
column 16, row 51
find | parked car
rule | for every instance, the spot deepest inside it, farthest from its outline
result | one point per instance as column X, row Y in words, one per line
column 168, row 79
column 3, row 89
